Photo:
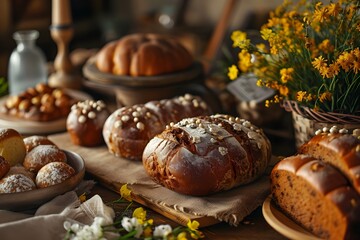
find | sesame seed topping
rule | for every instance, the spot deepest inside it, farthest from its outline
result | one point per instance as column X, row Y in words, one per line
column 223, row 151
column 118, row 124
column 92, row 115
column 136, row 114
column 82, row 119
column 136, row 119
column 125, row 118
column 140, row 126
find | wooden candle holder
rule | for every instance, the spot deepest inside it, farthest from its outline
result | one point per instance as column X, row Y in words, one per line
column 62, row 32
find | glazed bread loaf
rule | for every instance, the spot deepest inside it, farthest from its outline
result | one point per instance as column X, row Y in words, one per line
column 341, row 150
column 85, row 122
column 12, row 146
column 208, row 154
column 143, row 55
column 317, row 196
column 127, row 130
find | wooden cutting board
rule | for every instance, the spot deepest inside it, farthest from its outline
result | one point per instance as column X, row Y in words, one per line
column 113, row 172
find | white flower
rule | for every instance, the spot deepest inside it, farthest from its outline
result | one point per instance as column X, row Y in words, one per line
column 162, row 231
column 86, row 232
column 130, row 224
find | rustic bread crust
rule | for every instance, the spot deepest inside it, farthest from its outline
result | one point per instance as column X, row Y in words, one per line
column 127, row 130
column 317, row 196
column 204, row 155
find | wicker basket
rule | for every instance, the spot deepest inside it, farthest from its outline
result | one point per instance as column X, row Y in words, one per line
column 306, row 121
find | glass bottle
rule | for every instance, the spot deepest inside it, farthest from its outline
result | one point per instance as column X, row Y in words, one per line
column 27, row 64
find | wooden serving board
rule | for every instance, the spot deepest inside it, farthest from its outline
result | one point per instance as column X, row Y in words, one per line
column 230, row 206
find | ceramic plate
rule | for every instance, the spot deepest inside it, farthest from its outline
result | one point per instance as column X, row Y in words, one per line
column 27, row 127
column 34, row 198
column 283, row 224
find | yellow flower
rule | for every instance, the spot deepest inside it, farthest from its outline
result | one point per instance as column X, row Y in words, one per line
column 125, row 192
column 239, row 39
column 326, row 96
column 286, row 74
column 244, row 61
column 193, row 226
column 233, row 72
column 300, row 96
column 284, row 91
column 82, row 197
column 320, row 14
column 181, row 236
column 334, row 9
column 326, row 46
column 140, row 214
column 319, row 63
column 266, row 33
column 147, row 232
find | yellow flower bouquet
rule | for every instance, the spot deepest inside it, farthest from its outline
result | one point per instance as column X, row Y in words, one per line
column 311, row 56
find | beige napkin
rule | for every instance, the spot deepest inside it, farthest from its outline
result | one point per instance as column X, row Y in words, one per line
column 230, row 206
column 47, row 222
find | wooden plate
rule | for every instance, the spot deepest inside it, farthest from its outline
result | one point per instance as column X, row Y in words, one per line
column 92, row 73
column 28, row 127
column 31, row 199
column 283, row 224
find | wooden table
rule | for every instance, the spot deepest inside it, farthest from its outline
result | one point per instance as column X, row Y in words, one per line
column 253, row 227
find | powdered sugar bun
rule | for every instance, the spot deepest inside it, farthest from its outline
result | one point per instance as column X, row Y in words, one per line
column 53, row 173
column 16, row 183
column 4, row 167
column 42, row 155
column 35, row 140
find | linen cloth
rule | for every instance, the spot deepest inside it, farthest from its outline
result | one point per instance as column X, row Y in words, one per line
column 47, row 221
column 231, row 206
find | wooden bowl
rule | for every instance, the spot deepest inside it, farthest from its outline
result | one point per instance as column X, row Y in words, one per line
column 131, row 90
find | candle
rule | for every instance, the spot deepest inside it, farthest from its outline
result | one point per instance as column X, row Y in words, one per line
column 61, row 14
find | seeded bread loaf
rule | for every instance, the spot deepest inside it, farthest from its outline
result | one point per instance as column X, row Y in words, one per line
column 341, row 150
column 143, row 55
column 317, row 196
column 127, row 130
column 204, row 155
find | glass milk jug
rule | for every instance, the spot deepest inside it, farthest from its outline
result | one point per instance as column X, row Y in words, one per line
column 27, row 64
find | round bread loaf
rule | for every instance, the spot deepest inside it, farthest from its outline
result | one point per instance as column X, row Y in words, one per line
column 35, row 140
column 317, row 196
column 53, row 173
column 12, row 146
column 127, row 130
column 16, row 183
column 85, row 123
column 4, row 167
column 143, row 55
column 204, row 155
column 42, row 155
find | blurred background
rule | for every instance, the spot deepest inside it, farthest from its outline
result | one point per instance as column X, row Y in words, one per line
column 99, row 21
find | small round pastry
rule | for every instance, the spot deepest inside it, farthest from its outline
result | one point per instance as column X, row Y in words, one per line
column 16, row 183
column 34, row 141
column 4, row 167
column 53, row 173
column 12, row 146
column 42, row 155
column 85, row 122
column 20, row 169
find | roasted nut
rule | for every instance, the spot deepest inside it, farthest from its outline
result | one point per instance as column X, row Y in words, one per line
column 24, row 105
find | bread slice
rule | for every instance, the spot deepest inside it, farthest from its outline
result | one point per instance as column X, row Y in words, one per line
column 317, row 196
column 12, row 146
column 340, row 150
